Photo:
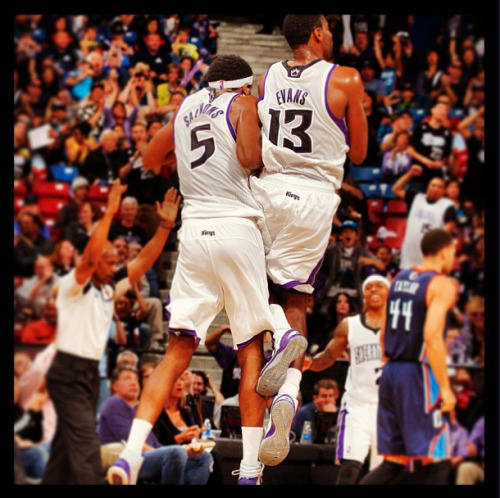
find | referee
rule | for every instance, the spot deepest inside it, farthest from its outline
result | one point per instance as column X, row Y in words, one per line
column 85, row 304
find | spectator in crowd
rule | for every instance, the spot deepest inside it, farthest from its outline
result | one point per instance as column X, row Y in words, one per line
column 176, row 426
column 91, row 108
column 368, row 74
column 374, row 117
column 353, row 206
column 472, row 129
column 397, row 161
column 22, row 363
column 63, row 257
column 167, row 465
column 79, row 144
column 472, row 334
column 156, row 54
column 42, row 331
column 61, row 51
column 425, row 211
column 428, row 84
column 32, row 206
column 430, row 147
column 79, row 232
column 401, row 121
column 343, row 265
column 172, row 84
column 325, row 397
column 117, row 114
column 205, row 404
column 35, row 291
column 29, row 244
column 127, row 357
column 127, row 225
column 182, row 45
column 27, row 433
column 205, row 31
column 226, row 358
column 79, row 80
column 474, row 95
column 391, row 268
column 472, row 270
column 69, row 212
column 103, row 164
column 453, row 83
column 138, row 332
column 471, row 471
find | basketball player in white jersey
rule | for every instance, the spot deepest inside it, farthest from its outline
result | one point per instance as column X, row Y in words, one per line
column 221, row 255
column 357, row 421
column 312, row 121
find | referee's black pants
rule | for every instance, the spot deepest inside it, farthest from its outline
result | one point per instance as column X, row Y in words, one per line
column 75, row 455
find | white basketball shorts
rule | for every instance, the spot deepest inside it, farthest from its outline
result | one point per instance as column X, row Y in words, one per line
column 221, row 264
column 357, row 432
column 298, row 217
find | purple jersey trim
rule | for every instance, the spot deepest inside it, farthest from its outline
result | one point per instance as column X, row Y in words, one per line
column 228, row 121
column 246, row 343
column 339, row 122
column 340, row 441
column 310, row 280
column 264, row 85
column 183, row 332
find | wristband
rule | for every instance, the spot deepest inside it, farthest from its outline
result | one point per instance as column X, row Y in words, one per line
column 166, row 225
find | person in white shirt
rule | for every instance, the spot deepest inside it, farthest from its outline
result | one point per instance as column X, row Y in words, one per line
column 85, row 302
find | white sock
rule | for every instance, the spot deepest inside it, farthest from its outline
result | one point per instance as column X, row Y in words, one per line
column 138, row 434
column 251, row 439
column 291, row 385
column 280, row 322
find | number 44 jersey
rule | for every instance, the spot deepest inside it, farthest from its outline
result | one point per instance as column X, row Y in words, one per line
column 212, row 181
column 300, row 135
column 406, row 313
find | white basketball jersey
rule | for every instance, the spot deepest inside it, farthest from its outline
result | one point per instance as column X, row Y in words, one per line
column 300, row 135
column 211, row 179
column 423, row 216
column 365, row 358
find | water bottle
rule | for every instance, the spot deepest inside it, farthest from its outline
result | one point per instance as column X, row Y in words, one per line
column 307, row 433
column 207, row 433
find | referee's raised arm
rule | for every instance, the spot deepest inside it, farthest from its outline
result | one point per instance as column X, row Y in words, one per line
column 99, row 239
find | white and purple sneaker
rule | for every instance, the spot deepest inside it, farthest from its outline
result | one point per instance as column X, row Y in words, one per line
column 276, row 443
column 125, row 470
column 249, row 476
column 286, row 349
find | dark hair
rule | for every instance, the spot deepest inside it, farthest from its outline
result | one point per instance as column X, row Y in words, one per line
column 203, row 375
column 434, row 240
column 115, row 375
column 297, row 29
column 84, row 127
column 228, row 67
column 325, row 384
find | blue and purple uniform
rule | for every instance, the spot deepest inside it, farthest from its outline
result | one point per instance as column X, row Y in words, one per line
column 409, row 421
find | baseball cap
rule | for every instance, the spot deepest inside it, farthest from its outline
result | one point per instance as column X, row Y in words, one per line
column 348, row 224
column 79, row 182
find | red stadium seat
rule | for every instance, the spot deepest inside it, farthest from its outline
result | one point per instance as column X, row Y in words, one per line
column 18, row 203
column 396, row 207
column 20, row 188
column 375, row 210
column 52, row 189
column 99, row 193
column 50, row 206
column 396, row 225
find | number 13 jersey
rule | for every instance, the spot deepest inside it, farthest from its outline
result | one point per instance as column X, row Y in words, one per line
column 300, row 135
column 211, row 179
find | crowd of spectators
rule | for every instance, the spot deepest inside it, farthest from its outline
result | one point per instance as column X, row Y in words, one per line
column 91, row 90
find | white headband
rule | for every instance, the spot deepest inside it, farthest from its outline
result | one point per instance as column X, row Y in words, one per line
column 224, row 84
column 375, row 278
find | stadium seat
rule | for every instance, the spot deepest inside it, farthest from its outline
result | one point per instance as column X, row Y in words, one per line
column 386, row 191
column 18, row 203
column 418, row 114
column 50, row 206
column 20, row 187
column 63, row 173
column 99, row 193
column 396, row 207
column 60, row 190
column 375, row 210
column 365, row 173
column 370, row 190
column 396, row 227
